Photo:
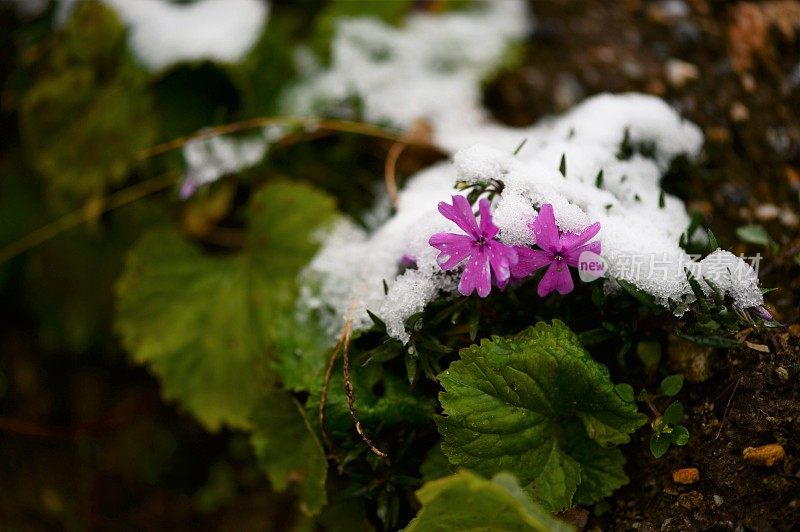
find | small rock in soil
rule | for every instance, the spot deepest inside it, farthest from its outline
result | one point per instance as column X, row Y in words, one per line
column 739, row 113
column 766, row 455
column 767, row 212
column 687, row 475
column 782, row 372
column 692, row 360
column 691, row 500
column 679, row 73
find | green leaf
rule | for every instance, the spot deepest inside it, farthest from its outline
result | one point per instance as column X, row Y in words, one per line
column 625, row 391
column 712, row 341
column 602, row 467
column 302, row 349
column 207, row 325
column 643, row 297
column 679, row 435
column 673, row 414
column 510, row 402
column 436, row 464
column 671, row 385
column 88, row 114
column 659, row 444
column 649, row 352
column 396, row 403
column 465, row 501
column 288, row 450
column 753, row 234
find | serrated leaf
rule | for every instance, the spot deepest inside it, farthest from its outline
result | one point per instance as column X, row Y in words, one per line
column 208, row 325
column 288, row 450
column 671, row 385
column 507, row 404
column 602, row 467
column 465, row 501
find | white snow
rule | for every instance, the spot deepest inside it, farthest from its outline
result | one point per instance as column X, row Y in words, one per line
column 431, row 69
column 163, row 33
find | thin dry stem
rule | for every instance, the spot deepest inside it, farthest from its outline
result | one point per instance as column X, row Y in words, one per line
column 343, row 345
column 351, row 400
column 343, row 126
column 87, row 213
column 323, row 400
column 390, row 172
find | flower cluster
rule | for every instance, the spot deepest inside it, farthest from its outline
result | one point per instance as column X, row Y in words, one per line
column 489, row 261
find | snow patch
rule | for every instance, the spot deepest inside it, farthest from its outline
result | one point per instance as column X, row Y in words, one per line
column 163, row 33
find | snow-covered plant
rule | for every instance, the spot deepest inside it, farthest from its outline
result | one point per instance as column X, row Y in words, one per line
column 462, row 338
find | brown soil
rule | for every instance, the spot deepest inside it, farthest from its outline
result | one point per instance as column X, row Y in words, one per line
column 752, row 399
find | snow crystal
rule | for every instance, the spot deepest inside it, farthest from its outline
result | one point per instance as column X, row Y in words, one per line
column 163, row 33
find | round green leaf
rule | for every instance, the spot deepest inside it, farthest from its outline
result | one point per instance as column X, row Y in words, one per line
column 659, row 444
column 673, row 414
column 679, row 435
column 671, row 385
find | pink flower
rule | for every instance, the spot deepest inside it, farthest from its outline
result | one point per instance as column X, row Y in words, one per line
column 487, row 257
column 558, row 252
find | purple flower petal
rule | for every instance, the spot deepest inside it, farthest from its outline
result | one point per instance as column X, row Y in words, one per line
column 572, row 255
column 188, row 188
column 454, row 248
column 529, row 261
column 460, row 212
column 570, row 240
column 488, row 229
column 558, row 278
column 477, row 275
column 502, row 257
column 545, row 230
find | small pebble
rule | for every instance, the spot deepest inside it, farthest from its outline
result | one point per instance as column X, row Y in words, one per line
column 567, row 91
column 687, row 475
column 766, row 455
column 679, row 73
column 767, row 212
column 718, row 500
column 748, row 83
column 666, row 12
column 739, row 113
column 789, row 219
column 718, row 134
column 782, row 372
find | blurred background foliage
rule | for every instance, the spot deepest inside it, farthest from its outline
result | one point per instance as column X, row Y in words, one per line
column 85, row 439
